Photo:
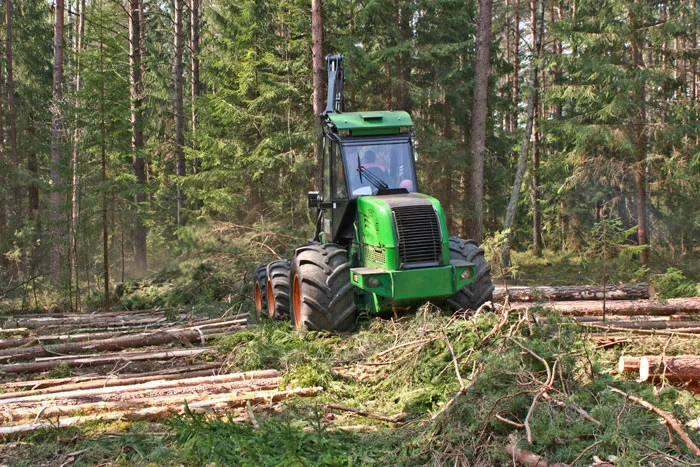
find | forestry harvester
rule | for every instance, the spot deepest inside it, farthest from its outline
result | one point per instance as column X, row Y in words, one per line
column 379, row 244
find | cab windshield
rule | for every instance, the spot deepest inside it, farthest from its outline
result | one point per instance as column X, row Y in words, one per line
column 383, row 162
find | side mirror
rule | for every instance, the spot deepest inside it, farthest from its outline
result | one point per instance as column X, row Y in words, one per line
column 313, row 198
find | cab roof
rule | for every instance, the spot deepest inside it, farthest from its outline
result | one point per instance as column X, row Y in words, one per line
column 371, row 123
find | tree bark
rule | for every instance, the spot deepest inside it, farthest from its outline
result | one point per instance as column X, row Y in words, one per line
column 117, row 343
column 572, row 292
column 318, row 68
column 136, row 91
column 194, row 71
column 137, row 385
column 640, row 141
column 11, row 113
column 180, row 168
column 620, row 307
column 535, row 191
column 178, row 374
column 97, row 360
column 529, row 458
column 524, row 148
column 56, row 137
column 475, row 197
column 680, row 368
column 516, row 66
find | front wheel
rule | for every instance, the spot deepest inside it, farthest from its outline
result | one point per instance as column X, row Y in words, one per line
column 322, row 294
column 480, row 290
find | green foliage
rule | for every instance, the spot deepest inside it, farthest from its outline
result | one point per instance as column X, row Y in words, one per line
column 674, row 284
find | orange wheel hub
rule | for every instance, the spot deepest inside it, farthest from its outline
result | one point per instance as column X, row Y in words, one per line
column 296, row 301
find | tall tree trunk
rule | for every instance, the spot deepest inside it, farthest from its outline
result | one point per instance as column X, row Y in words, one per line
column 475, row 197
column 180, row 169
column 56, row 137
column 535, row 193
column 516, row 65
column 79, row 38
column 11, row 114
column 522, row 160
column 3, row 181
column 318, row 68
column 139, row 164
column 640, row 142
column 194, row 71
column 103, row 147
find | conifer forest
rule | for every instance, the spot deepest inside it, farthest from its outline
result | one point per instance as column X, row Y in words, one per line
column 158, row 298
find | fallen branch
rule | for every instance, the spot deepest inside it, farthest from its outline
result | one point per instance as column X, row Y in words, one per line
column 393, row 419
column 670, row 419
column 585, row 415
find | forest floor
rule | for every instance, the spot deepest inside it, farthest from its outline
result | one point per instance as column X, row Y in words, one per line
column 428, row 388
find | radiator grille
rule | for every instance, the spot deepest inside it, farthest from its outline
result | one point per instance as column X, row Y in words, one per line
column 374, row 254
column 419, row 236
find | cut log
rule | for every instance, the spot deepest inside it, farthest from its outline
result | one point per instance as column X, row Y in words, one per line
column 117, row 343
column 106, row 359
column 572, row 292
column 148, row 385
column 103, row 382
column 681, row 368
column 619, row 307
column 156, row 413
column 681, row 326
column 628, row 365
column 529, row 458
column 113, row 401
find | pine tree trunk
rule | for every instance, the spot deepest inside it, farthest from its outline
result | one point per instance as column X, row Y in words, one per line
column 79, row 38
column 194, row 72
column 105, row 224
column 535, row 193
column 136, row 85
column 56, row 136
column 640, row 143
column 4, row 243
column 11, row 114
column 318, row 67
column 180, row 169
column 475, row 197
column 525, row 145
column 516, row 65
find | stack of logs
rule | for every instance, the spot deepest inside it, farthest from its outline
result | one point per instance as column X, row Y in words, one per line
column 615, row 314
column 113, row 346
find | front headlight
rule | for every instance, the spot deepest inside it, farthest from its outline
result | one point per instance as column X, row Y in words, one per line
column 467, row 274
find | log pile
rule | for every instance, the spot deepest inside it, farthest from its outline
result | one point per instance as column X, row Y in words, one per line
column 37, row 343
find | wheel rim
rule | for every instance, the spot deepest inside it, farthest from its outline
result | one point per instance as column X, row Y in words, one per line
column 270, row 300
column 258, row 298
column 296, row 299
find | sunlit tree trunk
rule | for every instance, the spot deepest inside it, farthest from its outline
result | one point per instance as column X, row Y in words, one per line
column 525, row 145
column 56, row 136
column 180, row 168
column 475, row 196
column 11, row 112
column 136, row 91
column 318, row 68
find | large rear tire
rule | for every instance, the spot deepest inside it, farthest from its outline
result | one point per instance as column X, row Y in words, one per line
column 278, row 289
column 480, row 290
column 323, row 298
column 260, row 289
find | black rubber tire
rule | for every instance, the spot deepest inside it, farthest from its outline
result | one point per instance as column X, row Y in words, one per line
column 323, row 298
column 278, row 289
column 260, row 290
column 478, row 292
